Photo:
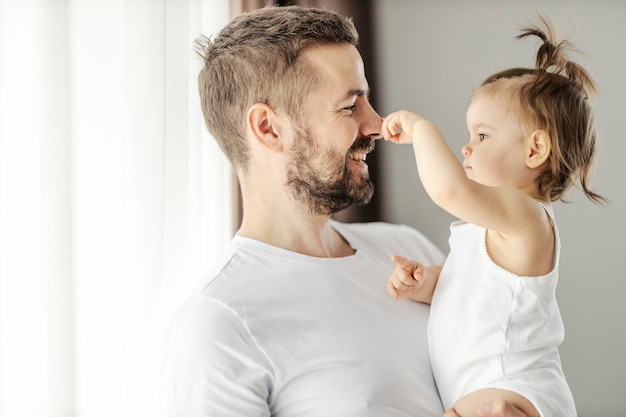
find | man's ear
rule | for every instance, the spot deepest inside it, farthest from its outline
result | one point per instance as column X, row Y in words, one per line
column 263, row 123
column 539, row 148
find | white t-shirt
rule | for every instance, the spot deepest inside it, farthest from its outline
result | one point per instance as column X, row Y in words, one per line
column 277, row 333
column 490, row 328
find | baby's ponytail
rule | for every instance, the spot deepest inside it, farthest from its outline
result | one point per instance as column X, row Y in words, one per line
column 552, row 57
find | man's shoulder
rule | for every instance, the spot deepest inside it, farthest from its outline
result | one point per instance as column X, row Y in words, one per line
column 398, row 239
column 379, row 229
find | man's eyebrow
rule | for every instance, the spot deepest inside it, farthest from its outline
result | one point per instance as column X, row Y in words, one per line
column 356, row 92
column 351, row 93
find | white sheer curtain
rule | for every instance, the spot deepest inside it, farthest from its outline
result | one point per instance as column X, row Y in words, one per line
column 113, row 199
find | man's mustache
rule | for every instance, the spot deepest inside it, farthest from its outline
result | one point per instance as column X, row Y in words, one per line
column 363, row 143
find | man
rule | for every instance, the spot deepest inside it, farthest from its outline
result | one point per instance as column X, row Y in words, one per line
column 296, row 321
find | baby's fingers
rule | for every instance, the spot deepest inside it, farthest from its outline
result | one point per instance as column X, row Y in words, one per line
column 450, row 413
column 391, row 129
column 393, row 291
column 403, row 280
column 406, row 264
column 400, row 283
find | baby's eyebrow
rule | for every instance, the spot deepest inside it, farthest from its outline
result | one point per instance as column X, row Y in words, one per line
column 479, row 126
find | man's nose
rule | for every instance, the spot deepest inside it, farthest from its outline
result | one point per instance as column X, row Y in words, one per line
column 372, row 126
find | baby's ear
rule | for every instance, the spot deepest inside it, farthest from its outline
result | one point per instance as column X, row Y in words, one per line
column 539, row 148
column 263, row 125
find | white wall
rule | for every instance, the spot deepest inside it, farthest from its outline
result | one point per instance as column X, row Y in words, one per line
column 430, row 56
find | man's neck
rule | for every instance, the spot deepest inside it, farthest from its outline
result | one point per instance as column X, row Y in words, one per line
column 308, row 234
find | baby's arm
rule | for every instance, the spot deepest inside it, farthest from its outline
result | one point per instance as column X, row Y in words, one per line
column 484, row 402
column 502, row 209
column 412, row 280
column 440, row 172
column 496, row 408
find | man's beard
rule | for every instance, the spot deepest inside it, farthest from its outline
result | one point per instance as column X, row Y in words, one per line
column 322, row 181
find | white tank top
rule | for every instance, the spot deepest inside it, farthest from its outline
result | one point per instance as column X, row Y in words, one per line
column 490, row 328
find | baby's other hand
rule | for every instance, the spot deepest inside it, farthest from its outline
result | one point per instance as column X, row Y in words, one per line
column 406, row 278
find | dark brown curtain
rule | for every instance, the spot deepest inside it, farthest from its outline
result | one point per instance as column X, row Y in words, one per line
column 362, row 16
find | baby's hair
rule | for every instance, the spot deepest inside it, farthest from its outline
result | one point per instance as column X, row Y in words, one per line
column 553, row 97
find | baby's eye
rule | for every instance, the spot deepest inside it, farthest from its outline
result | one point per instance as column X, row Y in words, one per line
column 482, row 136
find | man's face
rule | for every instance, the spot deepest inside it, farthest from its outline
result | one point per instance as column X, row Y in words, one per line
column 328, row 172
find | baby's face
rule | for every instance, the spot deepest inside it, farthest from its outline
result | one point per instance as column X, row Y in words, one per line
column 496, row 152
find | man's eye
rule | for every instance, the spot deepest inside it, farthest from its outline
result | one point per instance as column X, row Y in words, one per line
column 350, row 108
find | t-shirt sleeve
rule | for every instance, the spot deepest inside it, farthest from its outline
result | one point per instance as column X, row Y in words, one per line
column 212, row 366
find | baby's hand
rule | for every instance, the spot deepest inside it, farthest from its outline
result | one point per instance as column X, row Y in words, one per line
column 398, row 126
column 407, row 278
